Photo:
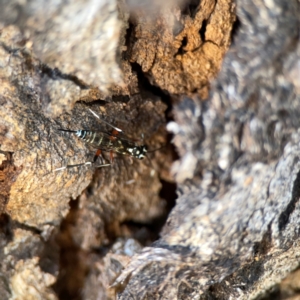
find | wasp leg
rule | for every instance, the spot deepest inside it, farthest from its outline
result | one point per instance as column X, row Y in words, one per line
column 98, row 153
column 79, row 165
column 111, row 156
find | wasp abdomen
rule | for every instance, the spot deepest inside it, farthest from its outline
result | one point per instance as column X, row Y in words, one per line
column 91, row 137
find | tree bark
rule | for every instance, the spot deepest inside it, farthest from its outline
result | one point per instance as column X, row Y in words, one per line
column 88, row 233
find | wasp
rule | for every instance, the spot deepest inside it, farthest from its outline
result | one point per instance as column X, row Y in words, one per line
column 116, row 142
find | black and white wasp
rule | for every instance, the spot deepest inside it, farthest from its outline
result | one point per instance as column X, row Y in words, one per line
column 116, row 142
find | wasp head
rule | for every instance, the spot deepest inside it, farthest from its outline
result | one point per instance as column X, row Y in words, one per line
column 139, row 151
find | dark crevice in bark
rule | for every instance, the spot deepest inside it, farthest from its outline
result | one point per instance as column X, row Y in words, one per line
column 146, row 233
column 183, row 44
column 5, row 227
column 168, row 191
column 129, row 39
column 56, row 74
column 49, row 255
column 190, row 8
column 235, row 29
column 203, row 30
column 272, row 294
column 118, row 98
column 23, row 226
column 67, row 285
column 145, row 85
column 263, row 247
column 284, row 216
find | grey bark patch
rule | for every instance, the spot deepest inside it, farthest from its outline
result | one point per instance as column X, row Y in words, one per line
column 284, row 216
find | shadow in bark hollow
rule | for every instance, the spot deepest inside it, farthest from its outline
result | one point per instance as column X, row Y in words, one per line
column 129, row 39
column 262, row 247
column 145, row 85
column 181, row 51
column 235, row 29
column 72, row 268
column 273, row 294
column 6, row 227
column 190, row 8
column 147, row 233
column 168, row 191
column 202, row 30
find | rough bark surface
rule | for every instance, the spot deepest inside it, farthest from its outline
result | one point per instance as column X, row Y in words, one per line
column 181, row 48
column 87, row 232
column 234, row 231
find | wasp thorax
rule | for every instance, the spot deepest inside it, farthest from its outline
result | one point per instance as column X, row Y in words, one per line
column 139, row 152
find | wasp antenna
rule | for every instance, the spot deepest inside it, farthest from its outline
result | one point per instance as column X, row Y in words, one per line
column 114, row 127
column 67, row 130
column 149, row 161
column 153, row 150
column 59, row 169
